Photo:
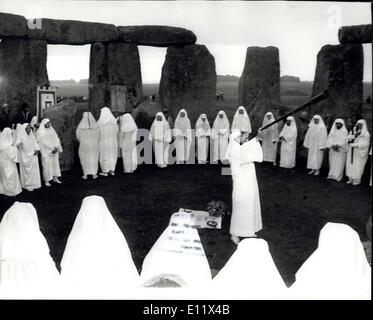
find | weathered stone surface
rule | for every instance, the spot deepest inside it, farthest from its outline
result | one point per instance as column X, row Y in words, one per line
column 12, row 25
column 158, row 36
column 356, row 34
column 23, row 67
column 73, row 32
column 188, row 81
column 62, row 117
column 260, row 79
column 112, row 64
column 340, row 70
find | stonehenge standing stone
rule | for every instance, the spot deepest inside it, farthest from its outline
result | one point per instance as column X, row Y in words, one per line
column 340, row 70
column 112, row 64
column 157, row 36
column 260, row 80
column 73, row 32
column 23, row 67
column 188, row 81
column 62, row 117
column 356, row 34
column 12, row 25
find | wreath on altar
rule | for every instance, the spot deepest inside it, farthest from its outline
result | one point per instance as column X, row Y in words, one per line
column 217, row 209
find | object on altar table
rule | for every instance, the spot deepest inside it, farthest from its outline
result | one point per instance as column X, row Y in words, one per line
column 217, row 208
column 202, row 219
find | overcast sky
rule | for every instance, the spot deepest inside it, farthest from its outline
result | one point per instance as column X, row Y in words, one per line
column 227, row 28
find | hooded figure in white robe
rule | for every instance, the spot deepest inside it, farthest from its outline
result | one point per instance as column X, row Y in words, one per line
column 16, row 132
column 108, row 144
column 183, row 137
column 250, row 273
column 241, row 121
column 34, row 123
column 177, row 256
column 88, row 135
column 337, row 269
column 128, row 132
column 315, row 142
column 337, row 144
column 220, row 136
column 26, row 268
column 203, row 132
column 269, row 138
column 358, row 141
column 288, row 139
column 29, row 162
column 9, row 178
column 160, row 134
column 50, row 148
column 246, row 217
column 97, row 261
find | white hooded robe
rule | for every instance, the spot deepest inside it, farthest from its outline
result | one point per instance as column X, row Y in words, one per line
column 128, row 132
column 29, row 162
column 241, row 122
column 269, row 138
column 183, row 137
column 48, row 140
column 315, row 142
column 97, row 261
column 160, row 134
column 220, row 136
column 26, row 268
column 337, row 159
column 288, row 149
column 337, row 269
column 108, row 144
column 203, row 132
column 9, row 178
column 88, row 135
column 246, row 217
column 355, row 168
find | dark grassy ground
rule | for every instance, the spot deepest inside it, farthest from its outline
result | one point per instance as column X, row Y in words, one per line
column 294, row 208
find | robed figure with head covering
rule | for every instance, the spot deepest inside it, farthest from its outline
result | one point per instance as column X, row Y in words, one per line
column 241, row 121
column 250, row 273
column 97, row 261
column 108, row 144
column 203, row 132
column 9, row 178
column 337, row 145
column 160, row 134
column 358, row 150
column 288, row 139
column 337, row 269
column 220, row 136
column 183, row 137
column 88, row 135
column 128, row 138
column 269, row 138
column 246, row 217
column 26, row 268
column 28, row 162
column 50, row 148
column 315, row 142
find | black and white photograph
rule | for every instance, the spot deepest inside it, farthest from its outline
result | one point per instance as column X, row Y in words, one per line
column 185, row 150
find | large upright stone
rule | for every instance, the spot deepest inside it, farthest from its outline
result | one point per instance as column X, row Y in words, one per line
column 356, row 34
column 188, row 81
column 158, row 36
column 340, row 70
column 12, row 25
column 73, row 32
column 112, row 64
column 260, row 80
column 23, row 67
column 62, row 117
